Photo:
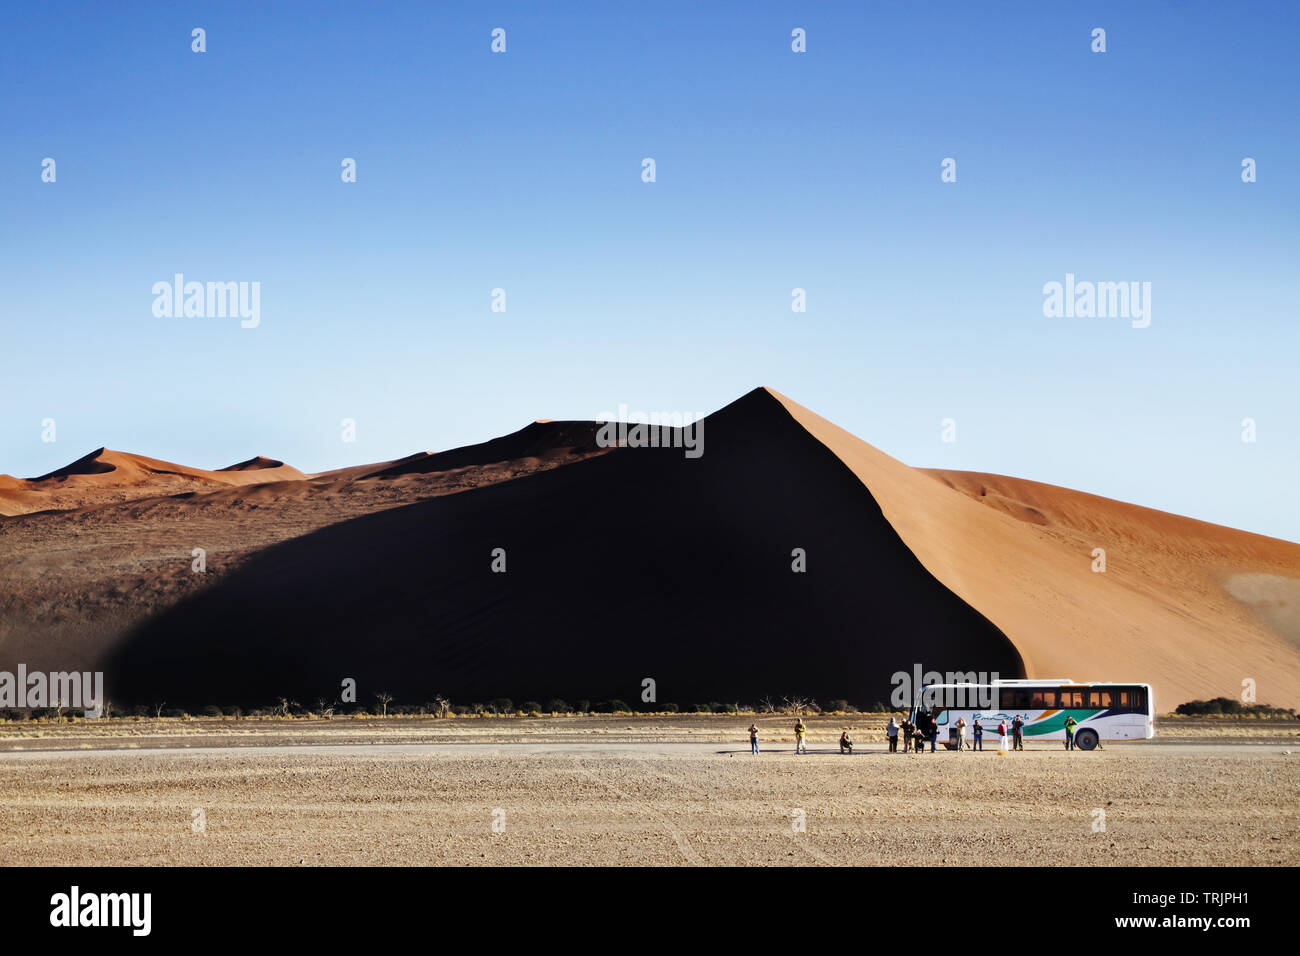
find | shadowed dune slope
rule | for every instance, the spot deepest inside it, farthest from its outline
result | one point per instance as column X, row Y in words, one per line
column 538, row 440
column 550, row 441
column 1191, row 607
column 639, row 563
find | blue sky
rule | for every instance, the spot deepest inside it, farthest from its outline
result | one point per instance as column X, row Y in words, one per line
column 775, row 170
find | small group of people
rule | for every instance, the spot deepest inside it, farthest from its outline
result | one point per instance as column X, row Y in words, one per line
column 800, row 739
column 910, row 732
column 1010, row 734
column 927, row 728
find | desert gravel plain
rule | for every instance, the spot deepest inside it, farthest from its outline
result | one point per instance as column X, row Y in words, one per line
column 616, row 790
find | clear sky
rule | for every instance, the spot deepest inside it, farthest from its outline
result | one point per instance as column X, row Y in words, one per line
column 775, row 170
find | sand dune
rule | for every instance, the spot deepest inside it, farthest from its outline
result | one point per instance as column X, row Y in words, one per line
column 636, row 564
column 542, row 440
column 625, row 564
column 106, row 476
column 105, row 467
column 353, row 472
column 258, row 463
column 74, row 581
column 1021, row 552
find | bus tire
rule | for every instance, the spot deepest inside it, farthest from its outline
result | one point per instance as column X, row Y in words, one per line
column 1087, row 740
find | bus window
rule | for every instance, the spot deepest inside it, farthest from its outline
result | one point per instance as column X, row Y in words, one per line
column 1014, row 698
column 1139, row 699
column 1071, row 699
column 1042, row 699
column 1125, row 699
column 1100, row 698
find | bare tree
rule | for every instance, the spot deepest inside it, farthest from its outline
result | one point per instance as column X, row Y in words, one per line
column 440, row 705
column 284, row 705
column 158, row 708
column 765, row 706
column 385, row 699
column 799, row 705
column 324, row 708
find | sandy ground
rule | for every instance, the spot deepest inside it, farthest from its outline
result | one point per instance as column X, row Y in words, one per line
column 203, row 732
column 606, row 800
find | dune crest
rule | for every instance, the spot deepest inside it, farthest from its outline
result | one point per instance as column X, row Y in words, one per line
column 256, row 463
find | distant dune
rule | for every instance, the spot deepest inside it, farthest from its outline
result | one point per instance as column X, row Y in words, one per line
column 625, row 564
column 105, row 475
column 262, row 464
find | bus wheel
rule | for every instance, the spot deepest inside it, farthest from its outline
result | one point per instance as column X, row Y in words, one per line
column 1086, row 740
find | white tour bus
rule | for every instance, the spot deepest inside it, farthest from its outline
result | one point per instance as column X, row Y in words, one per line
column 1103, row 711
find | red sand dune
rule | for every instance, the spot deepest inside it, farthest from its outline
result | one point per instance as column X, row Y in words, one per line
column 105, row 475
column 630, row 558
column 1164, row 610
column 258, row 463
column 636, row 563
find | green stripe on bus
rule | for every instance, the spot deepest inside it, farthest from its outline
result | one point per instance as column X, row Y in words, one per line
column 1057, row 722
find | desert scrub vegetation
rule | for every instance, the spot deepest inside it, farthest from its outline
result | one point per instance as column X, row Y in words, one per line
column 385, row 707
column 1227, row 707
